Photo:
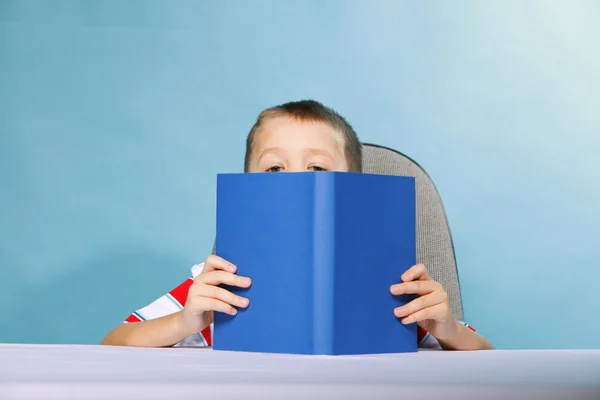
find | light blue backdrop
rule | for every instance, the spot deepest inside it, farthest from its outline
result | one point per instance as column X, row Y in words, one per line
column 116, row 116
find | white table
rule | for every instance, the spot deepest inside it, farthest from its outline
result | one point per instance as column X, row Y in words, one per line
column 97, row 372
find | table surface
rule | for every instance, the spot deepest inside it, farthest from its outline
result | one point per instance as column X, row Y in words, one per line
column 91, row 372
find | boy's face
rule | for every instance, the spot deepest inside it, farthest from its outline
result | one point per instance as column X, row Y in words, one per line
column 283, row 144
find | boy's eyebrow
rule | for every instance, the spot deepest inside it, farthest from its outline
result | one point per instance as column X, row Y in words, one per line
column 319, row 152
column 270, row 150
column 309, row 150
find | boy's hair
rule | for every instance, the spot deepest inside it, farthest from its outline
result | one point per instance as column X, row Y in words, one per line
column 312, row 111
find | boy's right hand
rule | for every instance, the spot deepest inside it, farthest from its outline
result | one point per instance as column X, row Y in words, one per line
column 205, row 296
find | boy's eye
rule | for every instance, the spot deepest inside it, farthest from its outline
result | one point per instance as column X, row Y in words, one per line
column 274, row 169
column 316, row 168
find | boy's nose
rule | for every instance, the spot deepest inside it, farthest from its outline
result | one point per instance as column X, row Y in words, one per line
column 296, row 167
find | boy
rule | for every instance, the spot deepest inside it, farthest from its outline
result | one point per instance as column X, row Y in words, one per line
column 293, row 137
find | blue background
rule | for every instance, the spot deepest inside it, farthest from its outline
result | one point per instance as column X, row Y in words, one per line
column 115, row 118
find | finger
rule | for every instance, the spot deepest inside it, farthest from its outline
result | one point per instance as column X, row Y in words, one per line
column 420, row 303
column 224, row 295
column 434, row 312
column 224, row 278
column 415, row 287
column 207, row 303
column 214, row 262
column 415, row 272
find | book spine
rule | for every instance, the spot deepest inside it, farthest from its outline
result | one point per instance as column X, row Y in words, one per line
column 324, row 262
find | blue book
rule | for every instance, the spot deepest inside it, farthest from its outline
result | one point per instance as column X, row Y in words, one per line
column 322, row 250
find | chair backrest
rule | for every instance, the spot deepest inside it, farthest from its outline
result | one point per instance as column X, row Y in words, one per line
column 435, row 248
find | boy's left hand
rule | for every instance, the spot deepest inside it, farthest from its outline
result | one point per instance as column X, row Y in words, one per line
column 430, row 309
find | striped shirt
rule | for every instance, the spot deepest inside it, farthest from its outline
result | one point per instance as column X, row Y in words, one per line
column 174, row 301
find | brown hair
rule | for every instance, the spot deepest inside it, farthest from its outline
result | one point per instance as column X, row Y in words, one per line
column 310, row 110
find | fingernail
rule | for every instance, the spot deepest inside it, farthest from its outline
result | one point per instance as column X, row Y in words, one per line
column 245, row 281
column 396, row 289
column 399, row 312
column 233, row 311
column 243, row 302
column 231, row 267
column 406, row 320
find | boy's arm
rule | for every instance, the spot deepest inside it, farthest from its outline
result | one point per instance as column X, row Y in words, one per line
column 460, row 336
column 186, row 311
column 164, row 331
column 465, row 339
column 159, row 324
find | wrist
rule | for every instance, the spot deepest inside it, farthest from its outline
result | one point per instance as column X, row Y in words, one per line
column 188, row 325
column 449, row 332
column 460, row 337
column 181, row 326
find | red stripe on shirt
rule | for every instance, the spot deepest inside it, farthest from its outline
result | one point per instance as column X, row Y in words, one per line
column 207, row 336
column 180, row 293
column 133, row 318
column 421, row 333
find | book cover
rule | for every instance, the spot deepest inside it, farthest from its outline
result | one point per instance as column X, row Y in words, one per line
column 322, row 249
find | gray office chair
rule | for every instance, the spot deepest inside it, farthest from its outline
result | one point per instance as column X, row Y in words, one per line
column 434, row 240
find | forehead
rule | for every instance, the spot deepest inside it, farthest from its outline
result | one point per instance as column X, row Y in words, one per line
column 292, row 133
